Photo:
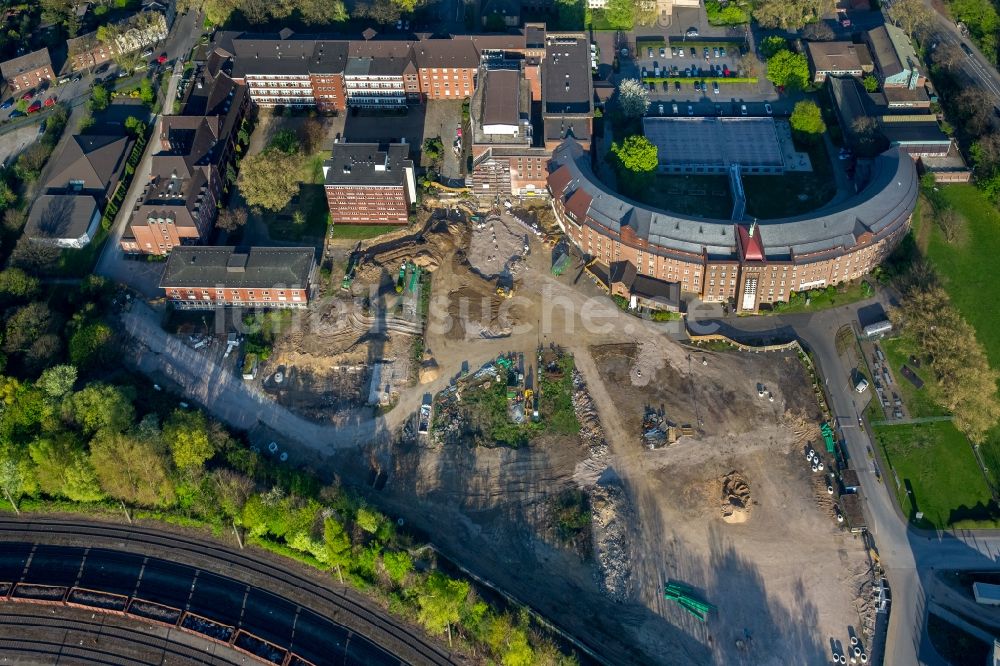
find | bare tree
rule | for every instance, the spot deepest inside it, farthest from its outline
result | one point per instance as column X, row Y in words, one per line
column 819, row 31
column 231, row 219
column 952, row 224
column 974, row 108
column 912, row 16
column 948, row 56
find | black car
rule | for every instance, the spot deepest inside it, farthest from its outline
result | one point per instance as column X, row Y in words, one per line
column 965, row 47
column 677, row 86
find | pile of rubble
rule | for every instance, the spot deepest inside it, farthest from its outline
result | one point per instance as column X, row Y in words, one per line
column 610, row 514
column 657, row 429
column 735, row 498
column 591, row 431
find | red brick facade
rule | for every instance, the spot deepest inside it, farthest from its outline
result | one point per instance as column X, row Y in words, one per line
column 209, row 297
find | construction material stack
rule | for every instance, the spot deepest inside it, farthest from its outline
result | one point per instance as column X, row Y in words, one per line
column 685, row 596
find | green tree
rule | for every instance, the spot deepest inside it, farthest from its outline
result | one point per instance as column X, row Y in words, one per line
column 369, row 519
column 89, row 344
column 134, row 126
column 433, row 149
column 57, row 382
column 620, row 14
column 788, row 70
column 187, row 435
column 270, row 179
column 99, row 407
column 806, row 119
column 63, row 469
column 771, row 45
column 18, row 284
column 7, row 196
column 870, row 83
column 286, row 141
column 12, row 478
column 131, row 470
column 338, row 546
column 100, row 98
column 440, row 601
column 633, row 98
column 27, row 324
column 790, row 14
column 635, row 154
column 398, row 564
column 146, row 94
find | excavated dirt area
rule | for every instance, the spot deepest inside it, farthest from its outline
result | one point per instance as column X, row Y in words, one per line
column 733, row 510
column 497, row 247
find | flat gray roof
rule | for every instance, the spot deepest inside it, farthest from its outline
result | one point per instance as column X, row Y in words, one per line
column 261, row 267
column 716, row 142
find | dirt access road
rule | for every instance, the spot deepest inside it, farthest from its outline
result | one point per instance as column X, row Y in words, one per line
column 782, row 580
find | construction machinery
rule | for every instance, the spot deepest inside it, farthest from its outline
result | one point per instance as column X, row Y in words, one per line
column 505, row 292
column 560, row 264
column 685, row 596
column 414, row 277
column 505, row 363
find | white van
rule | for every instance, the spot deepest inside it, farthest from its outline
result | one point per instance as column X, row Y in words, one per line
column 861, row 386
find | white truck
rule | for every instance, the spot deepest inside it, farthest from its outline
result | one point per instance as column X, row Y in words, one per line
column 424, row 421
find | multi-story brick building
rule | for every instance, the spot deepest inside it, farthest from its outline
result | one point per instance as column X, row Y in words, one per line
column 567, row 89
column 135, row 33
column 195, row 149
column 264, row 277
column 446, row 67
column 380, row 74
column 506, row 160
column 724, row 261
column 369, row 184
column 276, row 71
column 27, row 71
column 86, row 51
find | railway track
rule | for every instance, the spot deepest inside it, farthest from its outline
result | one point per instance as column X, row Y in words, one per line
column 24, row 633
column 391, row 636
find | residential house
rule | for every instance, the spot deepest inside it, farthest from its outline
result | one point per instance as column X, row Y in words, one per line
column 367, row 183
column 263, row 277
column 138, row 32
column 27, row 71
column 84, row 174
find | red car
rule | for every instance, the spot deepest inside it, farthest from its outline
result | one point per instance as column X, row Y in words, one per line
column 28, row 95
column 162, row 58
column 35, row 106
column 51, row 101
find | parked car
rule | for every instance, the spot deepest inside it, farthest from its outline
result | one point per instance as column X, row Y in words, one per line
column 677, row 86
column 694, row 52
column 663, row 52
column 77, row 78
column 6, row 105
column 722, row 51
column 675, row 109
column 768, row 110
column 718, row 109
column 715, row 51
column 28, row 95
column 35, row 106
column 743, row 109
column 965, row 47
column 725, row 70
column 660, row 109
column 162, row 58
column 706, row 53
column 690, row 110
column 680, row 52
column 715, row 87
column 15, row 114
column 691, row 32
column 51, row 101
column 147, row 53
column 41, row 128
column 649, row 52
column 666, row 86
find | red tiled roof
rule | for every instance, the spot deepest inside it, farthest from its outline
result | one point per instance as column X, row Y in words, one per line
column 751, row 247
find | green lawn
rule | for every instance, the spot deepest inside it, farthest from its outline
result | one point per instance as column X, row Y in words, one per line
column 821, row 299
column 918, row 401
column 792, row 193
column 935, row 462
column 965, row 268
column 360, row 231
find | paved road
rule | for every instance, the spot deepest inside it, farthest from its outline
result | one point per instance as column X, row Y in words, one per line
column 907, row 556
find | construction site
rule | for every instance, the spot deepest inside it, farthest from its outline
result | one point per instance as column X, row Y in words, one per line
column 648, row 496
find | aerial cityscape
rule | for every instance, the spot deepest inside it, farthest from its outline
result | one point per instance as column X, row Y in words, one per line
column 499, row 332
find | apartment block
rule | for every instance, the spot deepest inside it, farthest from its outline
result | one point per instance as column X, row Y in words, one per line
column 367, row 183
column 264, row 277
column 27, row 71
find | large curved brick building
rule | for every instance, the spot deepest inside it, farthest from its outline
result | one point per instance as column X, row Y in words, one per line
column 722, row 261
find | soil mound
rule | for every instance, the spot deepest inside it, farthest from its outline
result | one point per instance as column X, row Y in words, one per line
column 735, row 498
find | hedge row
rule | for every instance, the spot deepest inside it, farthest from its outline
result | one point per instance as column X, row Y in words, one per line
column 707, row 79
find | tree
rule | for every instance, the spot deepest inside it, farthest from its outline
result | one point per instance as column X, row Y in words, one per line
column 312, row 132
column 134, row 126
column 807, row 119
column 7, row 196
column 951, row 223
column 913, row 16
column 186, row 434
column 100, row 98
column 322, row 11
column 146, row 94
column 286, row 141
column 635, row 154
column 790, row 14
column 14, row 219
column 398, row 564
column 772, row 45
column 748, row 65
column 985, row 154
column 131, row 470
column 270, row 179
column 870, row 83
column 788, row 70
column 27, row 324
column 232, row 490
column 974, row 108
column 32, row 256
column 869, row 139
column 57, row 382
column 620, row 14
column 433, row 149
column 338, row 546
column 231, row 219
column 101, row 407
column 440, row 599
column 15, row 283
column 369, row 519
column 90, row 344
column 11, row 479
column 30, row 162
column 819, row 32
column 63, row 469
column 633, row 98
column 948, row 56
